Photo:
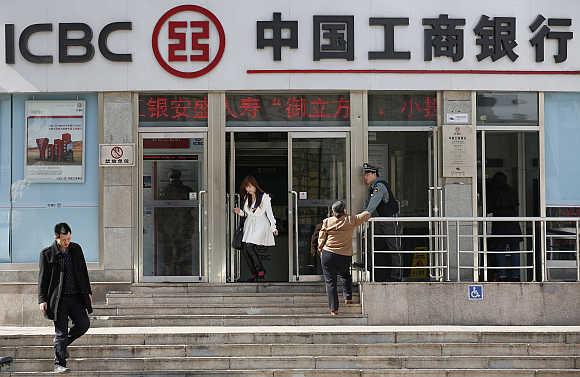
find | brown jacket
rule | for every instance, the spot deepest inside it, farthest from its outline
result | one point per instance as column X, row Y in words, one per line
column 336, row 233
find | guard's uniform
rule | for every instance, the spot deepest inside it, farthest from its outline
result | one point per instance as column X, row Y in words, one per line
column 381, row 203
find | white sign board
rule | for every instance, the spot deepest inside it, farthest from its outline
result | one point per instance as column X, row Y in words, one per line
column 458, row 151
column 457, row 118
column 165, row 45
column 116, row 155
column 55, row 145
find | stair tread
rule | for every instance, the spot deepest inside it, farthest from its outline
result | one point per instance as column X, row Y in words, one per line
column 306, row 357
column 257, row 316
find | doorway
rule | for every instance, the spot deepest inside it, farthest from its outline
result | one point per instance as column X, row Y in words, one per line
column 508, row 181
column 173, row 184
column 406, row 159
column 304, row 173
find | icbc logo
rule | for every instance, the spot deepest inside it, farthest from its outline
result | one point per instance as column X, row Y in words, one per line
column 188, row 41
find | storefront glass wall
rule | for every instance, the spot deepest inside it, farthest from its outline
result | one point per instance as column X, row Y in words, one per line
column 50, row 173
column 173, row 167
column 562, row 138
column 5, row 168
column 401, row 143
column 297, row 147
column 508, row 177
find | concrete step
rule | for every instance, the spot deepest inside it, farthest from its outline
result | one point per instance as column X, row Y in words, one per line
column 314, row 308
column 323, row 373
column 306, row 362
column 224, row 350
column 297, row 287
column 228, row 320
column 219, row 298
column 535, row 336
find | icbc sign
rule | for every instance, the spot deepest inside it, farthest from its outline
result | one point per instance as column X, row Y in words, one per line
column 188, row 41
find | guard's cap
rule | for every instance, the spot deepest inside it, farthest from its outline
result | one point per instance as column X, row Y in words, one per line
column 368, row 168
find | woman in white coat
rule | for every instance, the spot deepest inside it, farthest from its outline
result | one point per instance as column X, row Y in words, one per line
column 260, row 224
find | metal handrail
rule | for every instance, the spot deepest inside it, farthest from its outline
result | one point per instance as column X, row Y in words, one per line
column 200, row 221
column 294, row 203
column 534, row 234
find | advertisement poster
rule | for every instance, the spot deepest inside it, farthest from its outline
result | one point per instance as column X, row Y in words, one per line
column 55, row 150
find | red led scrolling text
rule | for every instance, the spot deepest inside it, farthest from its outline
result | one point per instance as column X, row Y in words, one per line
column 174, row 108
column 292, row 108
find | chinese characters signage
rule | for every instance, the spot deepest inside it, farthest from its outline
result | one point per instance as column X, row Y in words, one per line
column 443, row 37
column 288, row 108
column 403, row 107
column 117, row 154
column 55, row 150
column 172, row 108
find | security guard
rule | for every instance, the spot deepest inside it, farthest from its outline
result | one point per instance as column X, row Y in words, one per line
column 382, row 203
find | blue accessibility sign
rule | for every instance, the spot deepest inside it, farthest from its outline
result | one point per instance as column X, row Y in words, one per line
column 475, row 292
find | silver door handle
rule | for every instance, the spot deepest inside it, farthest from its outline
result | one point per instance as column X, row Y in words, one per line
column 200, row 227
column 295, row 210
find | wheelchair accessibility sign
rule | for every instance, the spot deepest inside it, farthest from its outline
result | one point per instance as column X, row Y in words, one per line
column 475, row 292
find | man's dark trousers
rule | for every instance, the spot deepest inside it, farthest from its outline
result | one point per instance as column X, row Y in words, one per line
column 70, row 306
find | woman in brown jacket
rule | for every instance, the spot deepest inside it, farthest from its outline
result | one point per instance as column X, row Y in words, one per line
column 335, row 247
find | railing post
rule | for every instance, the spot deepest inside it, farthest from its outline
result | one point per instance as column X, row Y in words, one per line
column 373, row 251
column 447, row 251
column 475, row 245
column 543, row 252
column 534, row 277
column 484, row 250
column 458, row 250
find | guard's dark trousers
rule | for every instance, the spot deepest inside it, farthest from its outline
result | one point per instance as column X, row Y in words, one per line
column 73, row 308
column 334, row 266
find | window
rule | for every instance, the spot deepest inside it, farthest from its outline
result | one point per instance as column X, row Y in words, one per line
column 562, row 130
column 33, row 207
column 507, row 108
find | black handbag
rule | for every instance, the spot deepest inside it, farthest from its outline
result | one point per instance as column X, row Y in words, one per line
column 237, row 242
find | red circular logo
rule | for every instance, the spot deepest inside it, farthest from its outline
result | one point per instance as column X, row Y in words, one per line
column 186, row 30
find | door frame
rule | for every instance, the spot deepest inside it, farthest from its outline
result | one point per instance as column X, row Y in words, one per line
column 202, row 209
column 435, row 196
column 294, row 276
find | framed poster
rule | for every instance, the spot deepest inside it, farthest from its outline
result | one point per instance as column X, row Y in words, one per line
column 458, row 151
column 55, row 142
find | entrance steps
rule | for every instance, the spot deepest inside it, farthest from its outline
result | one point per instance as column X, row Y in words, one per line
column 305, row 351
column 265, row 304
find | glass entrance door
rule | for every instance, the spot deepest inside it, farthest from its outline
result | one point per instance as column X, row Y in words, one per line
column 264, row 156
column 318, row 175
column 406, row 159
column 173, row 179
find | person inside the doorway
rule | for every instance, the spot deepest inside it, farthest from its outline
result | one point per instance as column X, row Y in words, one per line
column 382, row 203
column 64, row 291
column 259, row 227
column 176, row 227
column 335, row 247
column 502, row 201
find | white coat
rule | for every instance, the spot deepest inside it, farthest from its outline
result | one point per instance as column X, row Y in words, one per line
column 260, row 224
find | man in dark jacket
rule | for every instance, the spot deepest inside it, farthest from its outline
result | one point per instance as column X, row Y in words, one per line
column 64, row 292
